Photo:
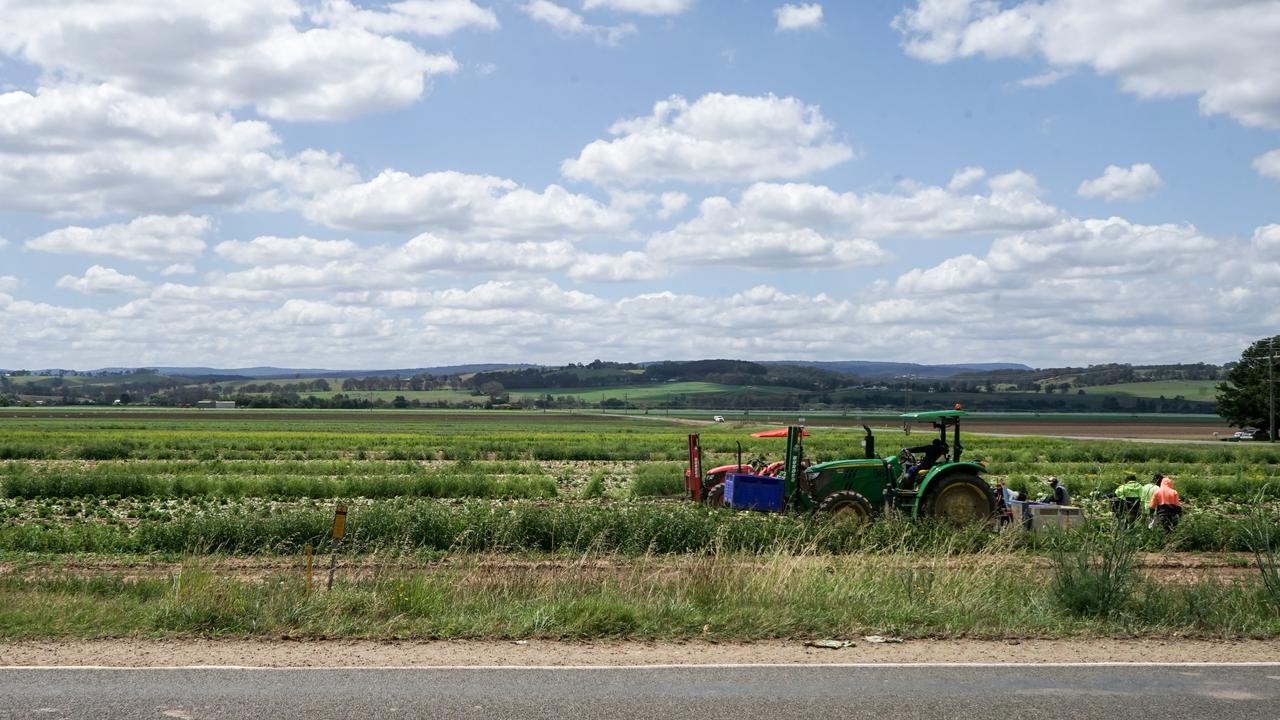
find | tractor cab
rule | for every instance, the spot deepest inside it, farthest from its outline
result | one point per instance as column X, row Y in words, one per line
column 935, row 453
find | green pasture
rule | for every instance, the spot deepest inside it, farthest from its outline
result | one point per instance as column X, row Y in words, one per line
column 1189, row 389
column 651, row 391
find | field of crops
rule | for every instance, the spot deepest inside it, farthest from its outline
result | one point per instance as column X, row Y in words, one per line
column 140, row 488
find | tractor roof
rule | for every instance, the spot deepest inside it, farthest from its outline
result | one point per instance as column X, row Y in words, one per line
column 855, row 462
column 933, row 415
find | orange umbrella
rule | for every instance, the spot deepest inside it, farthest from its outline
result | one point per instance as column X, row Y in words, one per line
column 779, row 433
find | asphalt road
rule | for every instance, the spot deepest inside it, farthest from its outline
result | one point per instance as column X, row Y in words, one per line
column 717, row 693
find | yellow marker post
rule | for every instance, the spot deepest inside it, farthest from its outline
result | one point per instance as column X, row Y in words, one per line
column 339, row 530
column 339, row 522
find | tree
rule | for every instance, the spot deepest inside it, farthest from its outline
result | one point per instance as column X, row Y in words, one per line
column 1243, row 399
column 493, row 389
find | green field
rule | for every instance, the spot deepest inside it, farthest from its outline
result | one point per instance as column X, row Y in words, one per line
column 660, row 392
column 426, row 396
column 530, row 524
column 1205, row 390
column 334, row 382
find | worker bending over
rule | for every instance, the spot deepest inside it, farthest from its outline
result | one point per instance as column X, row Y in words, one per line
column 1149, row 490
column 1127, row 503
column 1166, row 504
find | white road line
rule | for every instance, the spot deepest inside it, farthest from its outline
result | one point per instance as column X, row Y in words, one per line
column 667, row 666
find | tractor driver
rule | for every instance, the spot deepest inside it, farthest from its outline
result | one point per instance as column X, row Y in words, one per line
column 930, row 454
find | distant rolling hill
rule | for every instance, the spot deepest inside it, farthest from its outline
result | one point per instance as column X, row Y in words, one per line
column 275, row 372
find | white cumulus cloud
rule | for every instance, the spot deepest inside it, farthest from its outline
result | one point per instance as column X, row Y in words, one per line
column 99, row 280
column 630, row 266
column 84, row 150
column 1118, row 183
column 723, row 235
column 428, row 252
column 963, row 273
column 1268, row 164
column 1111, row 246
column 798, row 17
column 271, row 250
column 178, row 269
column 641, row 7
column 671, row 203
column 716, row 138
column 452, row 202
column 151, row 238
column 567, row 22
column 1221, row 52
column 418, row 17
column 227, row 55
column 914, row 211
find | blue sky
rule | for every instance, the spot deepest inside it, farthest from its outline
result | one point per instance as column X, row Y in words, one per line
column 430, row 182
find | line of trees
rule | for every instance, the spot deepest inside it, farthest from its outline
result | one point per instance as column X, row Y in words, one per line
column 1244, row 398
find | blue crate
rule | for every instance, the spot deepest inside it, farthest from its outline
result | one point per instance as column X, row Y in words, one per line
column 754, row 492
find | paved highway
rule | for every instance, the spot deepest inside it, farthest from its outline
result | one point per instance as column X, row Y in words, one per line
column 1220, row 692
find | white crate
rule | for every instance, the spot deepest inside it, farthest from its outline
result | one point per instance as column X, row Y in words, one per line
column 1055, row 516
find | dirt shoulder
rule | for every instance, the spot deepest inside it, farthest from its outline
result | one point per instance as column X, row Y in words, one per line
column 475, row 653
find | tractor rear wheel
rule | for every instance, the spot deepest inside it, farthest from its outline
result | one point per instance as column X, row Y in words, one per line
column 847, row 506
column 959, row 499
column 715, row 496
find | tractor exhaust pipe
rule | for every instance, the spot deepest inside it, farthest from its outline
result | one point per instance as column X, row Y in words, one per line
column 870, row 443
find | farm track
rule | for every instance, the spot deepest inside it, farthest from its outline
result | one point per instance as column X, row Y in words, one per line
column 1091, row 428
column 399, row 416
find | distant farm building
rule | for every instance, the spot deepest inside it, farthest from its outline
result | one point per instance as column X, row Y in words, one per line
column 217, row 404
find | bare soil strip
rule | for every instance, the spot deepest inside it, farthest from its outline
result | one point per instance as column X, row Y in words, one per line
column 475, row 653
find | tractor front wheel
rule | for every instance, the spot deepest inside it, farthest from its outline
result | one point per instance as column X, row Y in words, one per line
column 959, row 499
column 847, row 506
column 715, row 496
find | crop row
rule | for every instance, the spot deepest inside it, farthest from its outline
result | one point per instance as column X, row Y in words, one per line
column 532, row 479
column 530, row 526
column 146, row 480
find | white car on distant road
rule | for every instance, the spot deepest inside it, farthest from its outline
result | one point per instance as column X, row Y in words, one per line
column 718, row 418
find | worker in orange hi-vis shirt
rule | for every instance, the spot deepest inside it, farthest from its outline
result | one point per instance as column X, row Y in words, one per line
column 1167, row 505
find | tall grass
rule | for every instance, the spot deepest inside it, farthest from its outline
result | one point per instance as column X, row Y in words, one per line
column 1097, row 575
column 658, row 480
column 712, row 597
column 594, row 488
column 1262, row 537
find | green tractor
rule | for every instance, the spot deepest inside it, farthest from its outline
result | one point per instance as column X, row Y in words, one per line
column 939, row 485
